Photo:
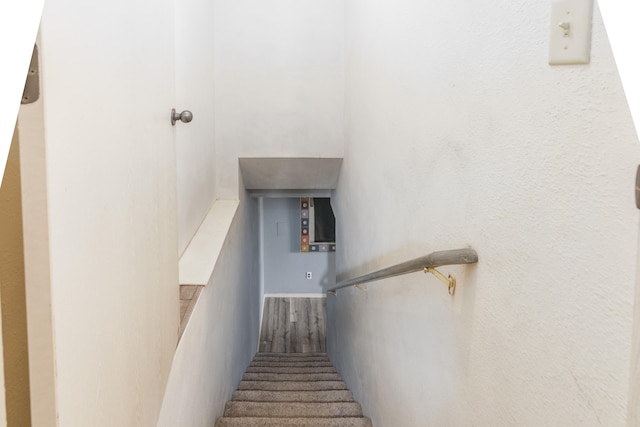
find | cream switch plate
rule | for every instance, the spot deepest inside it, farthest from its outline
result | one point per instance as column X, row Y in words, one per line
column 570, row 32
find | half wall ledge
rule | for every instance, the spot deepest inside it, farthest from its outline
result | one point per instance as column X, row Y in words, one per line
column 199, row 259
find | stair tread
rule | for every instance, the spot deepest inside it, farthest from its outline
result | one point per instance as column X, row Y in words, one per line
column 262, row 376
column 293, row 422
column 292, row 359
column 293, row 396
column 292, row 409
column 291, row 354
column 291, row 385
column 291, row 369
column 294, row 364
column 292, row 390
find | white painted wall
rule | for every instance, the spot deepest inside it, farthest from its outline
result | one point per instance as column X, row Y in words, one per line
column 221, row 337
column 459, row 133
column 195, row 147
column 18, row 29
column 110, row 163
column 279, row 71
column 285, row 267
column 620, row 20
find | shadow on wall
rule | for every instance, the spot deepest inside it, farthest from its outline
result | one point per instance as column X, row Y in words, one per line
column 328, row 281
column 427, row 337
column 464, row 274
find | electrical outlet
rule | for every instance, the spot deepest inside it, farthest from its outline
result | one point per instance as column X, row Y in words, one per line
column 309, row 275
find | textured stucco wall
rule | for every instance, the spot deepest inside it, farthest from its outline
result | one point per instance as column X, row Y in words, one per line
column 459, row 133
column 279, row 73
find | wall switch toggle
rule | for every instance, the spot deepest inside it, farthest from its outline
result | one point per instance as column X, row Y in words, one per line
column 570, row 32
column 565, row 28
column 309, row 275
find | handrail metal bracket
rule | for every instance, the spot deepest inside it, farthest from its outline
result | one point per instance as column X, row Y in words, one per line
column 359, row 287
column 334, row 293
column 449, row 281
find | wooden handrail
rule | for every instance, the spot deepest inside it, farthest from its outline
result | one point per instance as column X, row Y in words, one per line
column 426, row 263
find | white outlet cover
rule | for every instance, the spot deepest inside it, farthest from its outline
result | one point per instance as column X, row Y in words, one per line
column 570, row 32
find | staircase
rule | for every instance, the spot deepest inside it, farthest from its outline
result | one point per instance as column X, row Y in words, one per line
column 292, row 389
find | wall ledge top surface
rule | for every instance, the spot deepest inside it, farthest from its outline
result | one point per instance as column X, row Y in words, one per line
column 199, row 259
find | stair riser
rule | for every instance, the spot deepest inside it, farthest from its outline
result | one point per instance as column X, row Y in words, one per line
column 292, row 385
column 290, row 377
column 293, row 360
column 292, row 409
column 293, row 396
column 292, row 355
column 291, row 370
column 293, row 422
column 292, row 390
column 292, row 364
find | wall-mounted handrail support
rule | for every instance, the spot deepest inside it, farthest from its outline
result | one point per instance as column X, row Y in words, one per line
column 426, row 263
column 450, row 281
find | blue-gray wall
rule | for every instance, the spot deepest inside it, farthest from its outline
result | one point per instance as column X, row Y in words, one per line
column 285, row 266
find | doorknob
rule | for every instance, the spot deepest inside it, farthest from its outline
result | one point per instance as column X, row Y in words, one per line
column 185, row 117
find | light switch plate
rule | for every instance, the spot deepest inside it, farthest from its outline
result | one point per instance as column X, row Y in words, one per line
column 570, row 32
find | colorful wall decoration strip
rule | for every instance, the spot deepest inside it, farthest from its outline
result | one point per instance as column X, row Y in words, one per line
column 306, row 244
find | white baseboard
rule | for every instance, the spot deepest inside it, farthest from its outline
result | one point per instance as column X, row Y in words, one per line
column 295, row 295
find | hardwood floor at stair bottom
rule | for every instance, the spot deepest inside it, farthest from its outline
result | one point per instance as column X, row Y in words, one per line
column 293, row 325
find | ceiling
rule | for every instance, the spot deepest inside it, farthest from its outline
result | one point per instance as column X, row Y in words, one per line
column 290, row 174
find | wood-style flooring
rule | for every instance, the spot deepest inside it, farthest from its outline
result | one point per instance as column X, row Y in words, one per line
column 293, row 325
column 188, row 296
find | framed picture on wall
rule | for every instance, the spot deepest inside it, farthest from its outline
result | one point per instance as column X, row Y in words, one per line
column 317, row 225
